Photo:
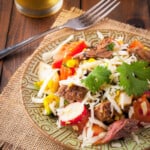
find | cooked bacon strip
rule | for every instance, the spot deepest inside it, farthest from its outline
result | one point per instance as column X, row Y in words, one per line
column 100, row 51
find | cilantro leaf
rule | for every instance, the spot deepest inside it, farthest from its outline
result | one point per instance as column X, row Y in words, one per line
column 134, row 77
column 110, row 46
column 96, row 78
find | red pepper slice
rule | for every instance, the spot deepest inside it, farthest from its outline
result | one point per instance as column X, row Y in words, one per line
column 76, row 47
column 68, row 50
column 57, row 64
column 65, row 72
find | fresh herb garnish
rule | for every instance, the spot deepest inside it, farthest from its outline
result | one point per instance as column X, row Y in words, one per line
column 134, row 77
column 110, row 47
column 96, row 78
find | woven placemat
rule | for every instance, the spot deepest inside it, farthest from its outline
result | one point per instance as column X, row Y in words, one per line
column 16, row 128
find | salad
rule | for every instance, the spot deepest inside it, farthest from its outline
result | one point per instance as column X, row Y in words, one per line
column 102, row 92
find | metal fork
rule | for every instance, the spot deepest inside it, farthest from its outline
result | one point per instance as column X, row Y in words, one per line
column 86, row 20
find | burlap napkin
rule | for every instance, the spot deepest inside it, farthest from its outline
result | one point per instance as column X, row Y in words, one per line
column 16, row 128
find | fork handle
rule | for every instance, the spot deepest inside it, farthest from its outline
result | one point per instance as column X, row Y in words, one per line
column 14, row 48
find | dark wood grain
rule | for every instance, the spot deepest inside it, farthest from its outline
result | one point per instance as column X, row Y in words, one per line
column 129, row 11
column 15, row 27
column 87, row 4
column 4, row 25
column 132, row 10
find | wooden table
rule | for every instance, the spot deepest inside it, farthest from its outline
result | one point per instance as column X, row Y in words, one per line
column 15, row 27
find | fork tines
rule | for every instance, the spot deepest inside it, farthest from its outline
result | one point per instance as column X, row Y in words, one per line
column 99, row 11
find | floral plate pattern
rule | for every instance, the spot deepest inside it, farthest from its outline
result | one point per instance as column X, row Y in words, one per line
column 47, row 124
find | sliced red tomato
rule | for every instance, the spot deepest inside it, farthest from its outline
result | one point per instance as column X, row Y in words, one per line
column 142, row 108
column 68, row 50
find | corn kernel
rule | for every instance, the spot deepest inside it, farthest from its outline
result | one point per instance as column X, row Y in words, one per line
column 91, row 60
column 71, row 63
column 48, row 100
column 53, row 84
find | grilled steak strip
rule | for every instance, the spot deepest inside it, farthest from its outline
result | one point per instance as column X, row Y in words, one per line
column 141, row 53
column 120, row 129
column 72, row 93
column 100, row 51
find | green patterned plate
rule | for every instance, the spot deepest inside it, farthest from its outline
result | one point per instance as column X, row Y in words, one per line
column 47, row 124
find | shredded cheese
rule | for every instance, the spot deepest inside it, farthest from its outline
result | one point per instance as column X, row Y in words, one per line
column 124, row 99
column 131, row 111
column 144, row 108
column 41, row 91
column 52, row 107
column 61, row 103
column 110, row 93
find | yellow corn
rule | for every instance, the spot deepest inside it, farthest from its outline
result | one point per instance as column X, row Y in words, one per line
column 71, row 63
column 117, row 96
column 53, row 83
column 48, row 100
column 91, row 60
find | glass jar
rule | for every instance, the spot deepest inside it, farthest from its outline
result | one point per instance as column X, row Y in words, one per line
column 38, row 8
